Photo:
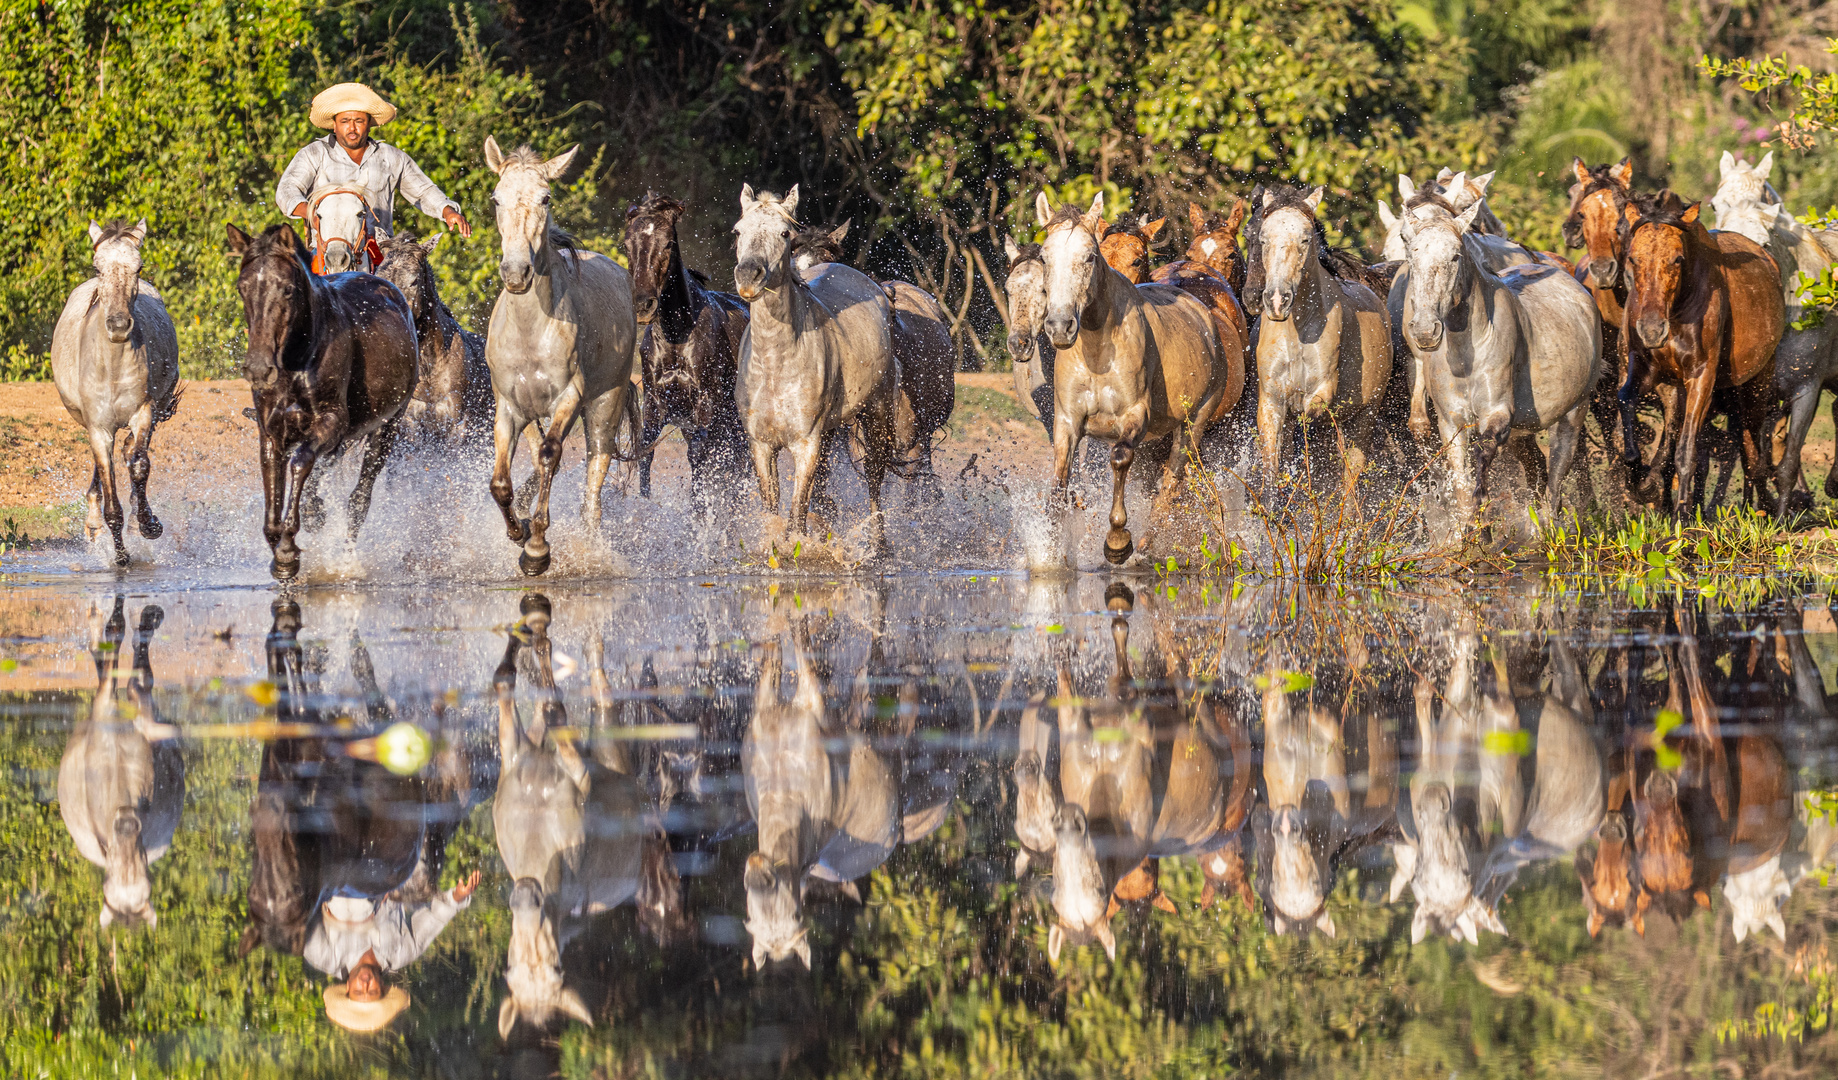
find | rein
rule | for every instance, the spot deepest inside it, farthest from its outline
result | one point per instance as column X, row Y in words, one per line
column 369, row 251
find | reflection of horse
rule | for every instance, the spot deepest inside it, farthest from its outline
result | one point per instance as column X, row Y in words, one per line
column 121, row 783
column 1317, row 818
column 115, row 359
column 570, row 828
column 342, row 231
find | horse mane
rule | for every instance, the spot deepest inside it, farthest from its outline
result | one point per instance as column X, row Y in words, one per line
column 114, row 229
column 1658, row 208
column 653, row 203
column 1428, row 196
column 815, row 238
column 1128, row 224
column 1065, row 213
column 1341, row 263
column 1599, row 180
column 1026, row 253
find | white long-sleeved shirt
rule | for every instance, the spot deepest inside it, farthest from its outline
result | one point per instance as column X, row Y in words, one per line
column 384, row 170
column 398, row 932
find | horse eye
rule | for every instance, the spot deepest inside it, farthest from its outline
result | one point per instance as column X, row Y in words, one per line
column 785, row 235
column 545, row 200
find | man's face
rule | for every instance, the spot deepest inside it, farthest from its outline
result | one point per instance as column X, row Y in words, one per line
column 365, row 982
column 352, row 128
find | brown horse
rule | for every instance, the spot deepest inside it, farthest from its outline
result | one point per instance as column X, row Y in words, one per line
column 1215, row 242
column 1126, row 245
column 689, row 354
column 330, row 360
column 1598, row 201
column 1704, row 311
column 453, row 392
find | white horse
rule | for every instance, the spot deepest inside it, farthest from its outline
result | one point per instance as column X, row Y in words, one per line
column 1806, row 361
column 115, row 359
column 559, row 346
column 1502, row 354
column 344, row 233
column 817, row 356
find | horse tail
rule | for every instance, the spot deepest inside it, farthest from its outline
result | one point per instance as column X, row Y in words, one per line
column 165, row 410
column 631, row 423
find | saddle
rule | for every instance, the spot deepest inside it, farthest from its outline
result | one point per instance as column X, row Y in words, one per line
column 369, row 249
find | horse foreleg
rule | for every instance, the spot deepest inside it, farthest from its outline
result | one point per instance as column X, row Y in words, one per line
column 879, row 436
column 1755, row 416
column 321, row 437
column 806, row 456
column 505, row 432
column 833, row 442
column 1800, row 413
column 604, row 415
column 140, row 467
column 1697, row 410
column 1460, row 472
column 1565, row 435
column 376, row 453
column 766, row 469
column 1118, row 545
column 650, row 426
column 1419, row 411
column 535, row 558
column 102, row 445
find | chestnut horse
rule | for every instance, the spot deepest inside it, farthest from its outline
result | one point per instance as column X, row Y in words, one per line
column 1704, row 311
column 1215, row 243
column 689, row 353
column 331, row 359
column 1126, row 248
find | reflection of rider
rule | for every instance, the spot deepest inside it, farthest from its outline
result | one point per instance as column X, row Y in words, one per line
column 349, row 157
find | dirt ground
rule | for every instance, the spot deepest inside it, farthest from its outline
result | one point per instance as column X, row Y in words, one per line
column 209, row 445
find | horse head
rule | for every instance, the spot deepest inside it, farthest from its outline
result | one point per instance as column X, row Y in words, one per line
column 1070, row 256
column 116, row 256
column 1597, row 201
column 1432, row 228
column 1661, row 235
column 1285, row 245
column 1745, row 202
column 533, row 966
column 342, row 228
column 762, row 241
column 1081, row 900
column 1026, row 286
column 814, row 246
column 275, row 284
column 1215, row 242
column 1610, row 892
column 1664, row 843
column 1439, row 872
column 1298, row 875
column 775, row 911
column 527, row 235
column 651, row 248
column 1126, row 245
column 405, row 265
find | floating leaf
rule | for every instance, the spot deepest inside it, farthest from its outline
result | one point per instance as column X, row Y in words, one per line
column 1053, row 628
column 1665, row 722
column 404, row 748
column 263, row 693
column 1507, row 743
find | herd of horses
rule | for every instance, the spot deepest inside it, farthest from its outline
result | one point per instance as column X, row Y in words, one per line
column 1462, row 341
column 1464, row 762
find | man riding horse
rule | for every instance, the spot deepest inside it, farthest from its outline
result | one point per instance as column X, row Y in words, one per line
column 348, row 161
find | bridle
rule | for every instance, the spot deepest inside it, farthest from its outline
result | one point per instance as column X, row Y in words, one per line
column 369, row 251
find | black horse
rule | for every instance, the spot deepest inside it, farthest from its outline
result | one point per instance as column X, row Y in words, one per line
column 453, row 394
column 330, row 359
column 689, row 353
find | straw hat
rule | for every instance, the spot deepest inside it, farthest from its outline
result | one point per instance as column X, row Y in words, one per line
column 363, row 1016
column 351, row 97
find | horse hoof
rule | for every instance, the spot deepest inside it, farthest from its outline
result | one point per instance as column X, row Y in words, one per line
column 1118, row 547
column 284, row 571
column 1799, row 502
column 151, row 529
column 533, row 565
column 121, row 557
column 1831, row 485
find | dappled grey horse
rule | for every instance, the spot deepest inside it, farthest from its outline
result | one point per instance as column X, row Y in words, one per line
column 560, row 346
column 121, row 783
column 115, row 360
column 1503, row 355
column 570, row 827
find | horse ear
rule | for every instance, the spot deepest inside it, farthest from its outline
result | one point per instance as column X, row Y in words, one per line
column 494, row 157
column 802, row 950
column 1596, row 918
column 428, row 246
column 507, row 1017
column 95, row 233
column 1455, row 189
column 1325, row 923
column 1623, row 172
column 1056, row 937
column 1465, row 220
column 1580, row 170
column 1444, row 175
column 1405, row 855
column 1150, row 228
column 108, row 915
column 1777, row 924
column 1196, row 218
column 1479, row 183
column 1764, row 166
column 1269, row 197
column 239, row 240
column 746, row 197
column 759, row 956
column 1207, row 894
column 1690, row 216
column 1094, row 217
column 1314, row 197
column 1406, row 189
column 840, row 231
column 139, row 231
column 1043, row 210
column 1725, row 163
column 152, row 917
column 571, row 1004
column 1419, row 925
column 1235, row 220
column 790, row 201
column 1109, row 940
column 556, row 166
column 1386, row 217
column 1009, row 249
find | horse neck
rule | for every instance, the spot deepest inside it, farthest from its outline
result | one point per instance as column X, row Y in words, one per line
column 780, row 316
column 682, row 298
column 1109, row 300
column 1313, row 290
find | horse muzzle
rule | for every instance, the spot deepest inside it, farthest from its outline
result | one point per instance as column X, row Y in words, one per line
column 1427, row 336
column 338, row 258
column 644, row 308
column 518, row 277
column 1653, row 330
column 1277, row 305
column 526, row 894
column 1062, row 332
column 1021, row 348
column 119, row 326
column 749, row 280
column 1604, row 272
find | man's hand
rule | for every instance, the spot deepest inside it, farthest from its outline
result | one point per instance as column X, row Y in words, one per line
column 464, row 888
column 457, row 220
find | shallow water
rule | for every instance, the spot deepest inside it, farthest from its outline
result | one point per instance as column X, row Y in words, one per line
column 708, row 784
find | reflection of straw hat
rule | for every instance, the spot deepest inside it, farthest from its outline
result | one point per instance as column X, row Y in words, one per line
column 363, row 1016
column 351, row 97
